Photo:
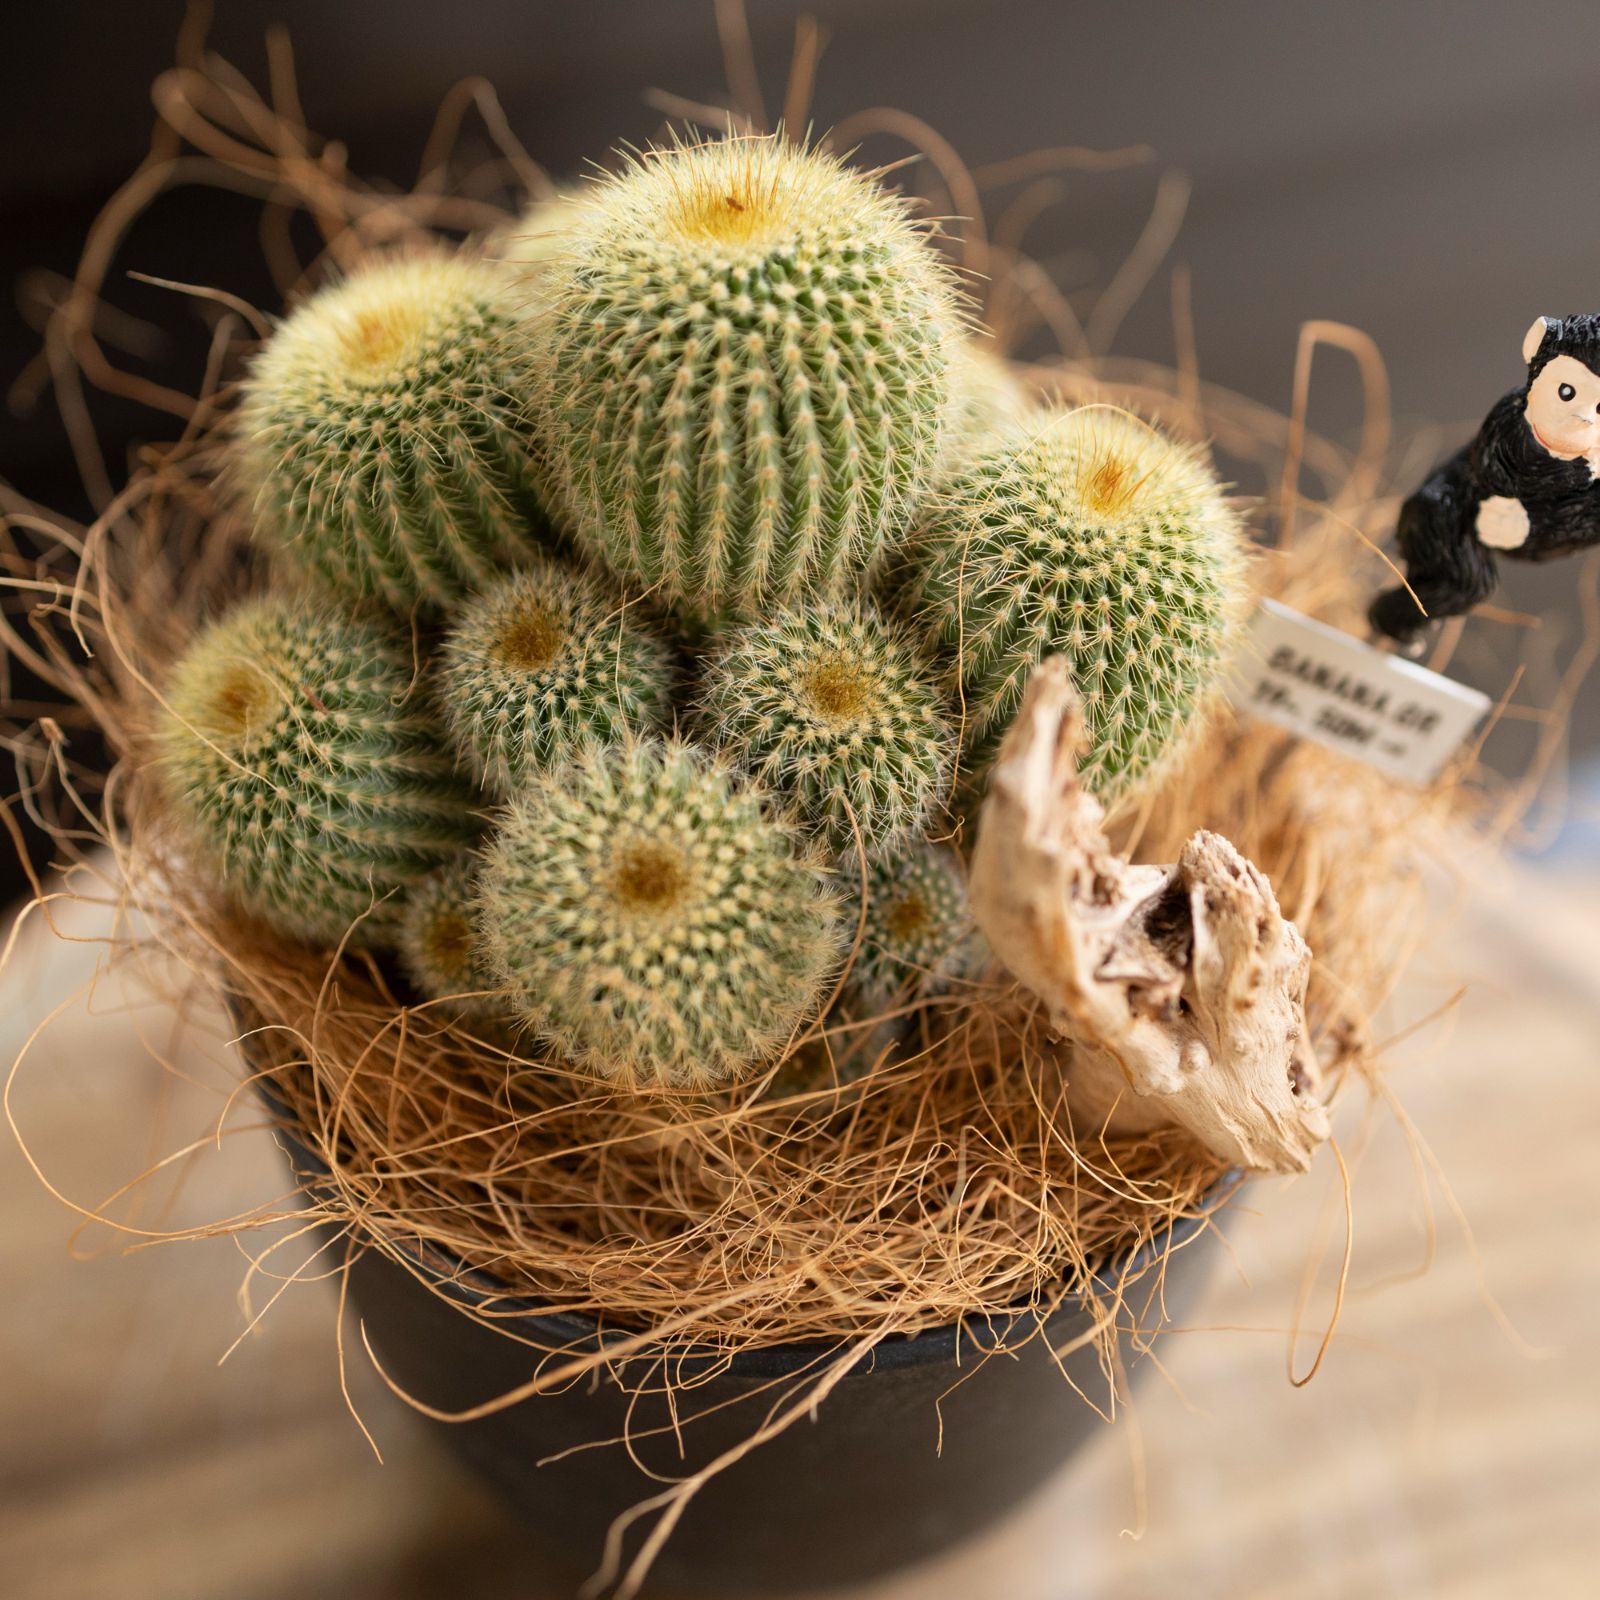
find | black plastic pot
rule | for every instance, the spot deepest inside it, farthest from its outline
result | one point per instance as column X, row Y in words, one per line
column 855, row 1491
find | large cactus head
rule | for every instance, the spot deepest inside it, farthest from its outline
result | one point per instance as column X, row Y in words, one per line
column 541, row 661
column 743, row 371
column 833, row 707
column 653, row 920
column 1090, row 534
column 380, row 432
column 295, row 748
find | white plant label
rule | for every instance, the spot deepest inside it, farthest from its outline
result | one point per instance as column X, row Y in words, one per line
column 1342, row 693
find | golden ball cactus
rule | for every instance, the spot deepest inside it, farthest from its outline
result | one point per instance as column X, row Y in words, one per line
column 743, row 372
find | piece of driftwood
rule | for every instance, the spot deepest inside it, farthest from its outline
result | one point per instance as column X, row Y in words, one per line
column 1180, row 990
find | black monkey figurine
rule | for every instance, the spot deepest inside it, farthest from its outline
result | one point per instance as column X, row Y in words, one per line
column 1525, row 487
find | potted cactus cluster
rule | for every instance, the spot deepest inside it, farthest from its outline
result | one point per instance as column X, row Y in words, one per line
column 704, row 794
column 651, row 599
column 651, row 590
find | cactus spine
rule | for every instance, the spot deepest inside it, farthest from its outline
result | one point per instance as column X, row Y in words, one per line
column 541, row 661
column 438, row 944
column 380, row 437
column 742, row 375
column 294, row 748
column 918, row 937
column 652, row 920
column 1087, row 533
column 832, row 707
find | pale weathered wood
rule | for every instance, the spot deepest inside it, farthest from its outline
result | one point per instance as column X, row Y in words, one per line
column 1179, row 991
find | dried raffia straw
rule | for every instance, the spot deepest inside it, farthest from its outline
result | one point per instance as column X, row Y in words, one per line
column 938, row 1188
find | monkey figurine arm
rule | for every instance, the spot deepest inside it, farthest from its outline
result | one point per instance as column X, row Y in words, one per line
column 1524, row 488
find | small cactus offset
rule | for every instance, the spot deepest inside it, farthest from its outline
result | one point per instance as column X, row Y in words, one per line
column 538, row 238
column 437, row 941
column 541, row 661
column 984, row 396
column 834, row 708
column 918, row 937
column 294, row 748
column 653, row 920
column 1090, row 534
column 917, row 940
column 380, row 435
column 742, row 375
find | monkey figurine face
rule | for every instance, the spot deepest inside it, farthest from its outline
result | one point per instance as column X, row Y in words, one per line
column 1563, row 405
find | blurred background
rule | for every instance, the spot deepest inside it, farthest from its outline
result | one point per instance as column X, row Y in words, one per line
column 1423, row 170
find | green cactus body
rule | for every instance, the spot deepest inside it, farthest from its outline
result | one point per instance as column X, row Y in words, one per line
column 742, row 378
column 653, row 920
column 380, row 436
column 437, row 940
column 833, row 707
column 1089, row 534
column 294, row 747
column 541, row 661
column 918, row 937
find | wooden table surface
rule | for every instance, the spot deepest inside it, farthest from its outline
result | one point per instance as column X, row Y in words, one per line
column 1439, row 1452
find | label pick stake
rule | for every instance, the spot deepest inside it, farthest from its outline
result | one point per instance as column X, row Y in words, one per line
column 1349, row 696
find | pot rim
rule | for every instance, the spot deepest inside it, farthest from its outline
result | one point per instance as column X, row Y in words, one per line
column 475, row 1290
